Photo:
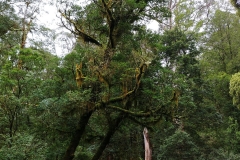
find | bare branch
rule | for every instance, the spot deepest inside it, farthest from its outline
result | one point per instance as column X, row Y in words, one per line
column 78, row 31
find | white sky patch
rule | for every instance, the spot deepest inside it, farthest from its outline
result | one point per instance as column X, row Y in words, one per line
column 49, row 18
column 153, row 25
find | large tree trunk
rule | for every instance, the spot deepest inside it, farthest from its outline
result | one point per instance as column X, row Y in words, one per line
column 112, row 128
column 148, row 151
column 77, row 135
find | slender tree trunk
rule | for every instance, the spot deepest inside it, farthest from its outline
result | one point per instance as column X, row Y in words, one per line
column 112, row 128
column 77, row 135
column 148, row 151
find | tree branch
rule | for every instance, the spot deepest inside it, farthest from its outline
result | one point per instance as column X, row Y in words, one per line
column 139, row 75
column 111, row 24
column 138, row 114
column 79, row 32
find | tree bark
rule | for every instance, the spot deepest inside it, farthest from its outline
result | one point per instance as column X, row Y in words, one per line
column 148, row 151
column 112, row 129
column 77, row 135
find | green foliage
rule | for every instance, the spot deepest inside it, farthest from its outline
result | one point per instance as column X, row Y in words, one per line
column 23, row 146
column 182, row 97
column 222, row 53
column 232, row 136
column 218, row 63
column 235, row 89
column 179, row 146
column 178, row 51
column 222, row 154
column 187, row 16
column 7, row 18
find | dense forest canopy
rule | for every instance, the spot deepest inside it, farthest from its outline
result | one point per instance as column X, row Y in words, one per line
column 179, row 84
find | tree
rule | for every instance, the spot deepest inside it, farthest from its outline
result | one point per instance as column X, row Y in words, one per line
column 118, row 78
column 179, row 145
column 219, row 60
column 224, row 42
column 217, row 66
column 114, row 64
column 19, row 97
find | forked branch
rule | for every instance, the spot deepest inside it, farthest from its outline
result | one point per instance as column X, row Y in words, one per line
column 78, row 31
